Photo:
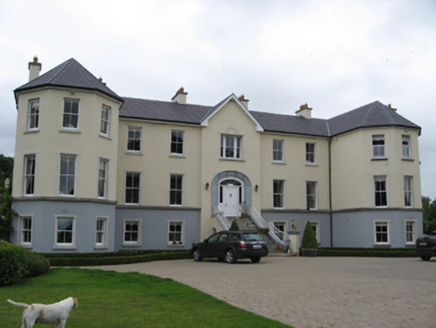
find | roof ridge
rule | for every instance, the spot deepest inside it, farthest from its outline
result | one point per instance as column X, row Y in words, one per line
column 365, row 119
column 61, row 69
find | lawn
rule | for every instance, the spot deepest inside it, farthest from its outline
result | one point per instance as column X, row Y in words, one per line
column 111, row 299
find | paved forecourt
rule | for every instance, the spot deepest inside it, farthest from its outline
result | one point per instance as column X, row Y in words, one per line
column 314, row 292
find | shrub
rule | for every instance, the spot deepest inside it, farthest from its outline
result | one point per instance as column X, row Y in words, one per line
column 309, row 238
column 13, row 264
column 234, row 226
column 37, row 264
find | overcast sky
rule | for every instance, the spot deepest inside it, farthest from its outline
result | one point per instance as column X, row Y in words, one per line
column 334, row 55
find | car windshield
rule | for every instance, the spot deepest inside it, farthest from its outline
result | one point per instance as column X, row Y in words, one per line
column 252, row 237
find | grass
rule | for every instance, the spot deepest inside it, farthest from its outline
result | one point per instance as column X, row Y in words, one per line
column 111, row 299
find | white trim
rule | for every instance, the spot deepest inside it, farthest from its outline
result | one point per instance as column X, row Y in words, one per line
column 182, row 193
column 109, row 121
column 412, row 189
column 20, row 231
column 205, row 121
column 71, row 245
column 316, row 195
column 125, row 187
column 283, row 194
column 132, row 243
column 282, row 151
column 182, row 154
column 70, row 129
column 28, row 128
column 386, row 190
column 415, row 236
column 104, row 244
column 76, row 165
column 388, row 223
column 106, row 178
column 182, row 236
column 132, row 151
column 315, row 157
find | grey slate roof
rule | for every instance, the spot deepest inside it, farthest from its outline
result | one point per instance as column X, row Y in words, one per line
column 72, row 74
column 372, row 115
column 69, row 74
column 154, row 110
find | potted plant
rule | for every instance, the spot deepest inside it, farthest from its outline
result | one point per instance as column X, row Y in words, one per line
column 309, row 244
column 234, row 226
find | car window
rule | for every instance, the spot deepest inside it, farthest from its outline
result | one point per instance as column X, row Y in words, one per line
column 251, row 237
column 234, row 237
column 213, row 238
column 223, row 237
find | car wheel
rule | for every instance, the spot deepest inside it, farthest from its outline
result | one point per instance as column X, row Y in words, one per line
column 425, row 258
column 197, row 255
column 230, row 256
column 255, row 259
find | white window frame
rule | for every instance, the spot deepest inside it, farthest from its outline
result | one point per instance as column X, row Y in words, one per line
column 316, row 226
column 135, row 138
column 278, row 151
column 236, row 148
column 380, row 178
column 101, row 243
column 378, row 146
column 105, row 124
column 179, row 135
column 281, row 194
column 103, row 173
column 382, row 223
column 61, row 245
column 312, row 195
column 406, row 147
column 180, row 242
column 67, row 175
column 174, row 190
column 283, row 224
column 137, row 242
column 71, row 114
column 311, row 158
column 412, row 233
column 33, row 116
column 29, row 177
column 132, row 188
column 408, row 191
column 24, row 243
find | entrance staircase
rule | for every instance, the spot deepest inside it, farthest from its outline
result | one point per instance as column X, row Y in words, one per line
column 276, row 240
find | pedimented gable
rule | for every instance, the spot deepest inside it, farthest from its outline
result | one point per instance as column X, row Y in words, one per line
column 236, row 104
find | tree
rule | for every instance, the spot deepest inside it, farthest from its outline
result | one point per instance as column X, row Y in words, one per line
column 309, row 238
column 429, row 214
column 6, row 211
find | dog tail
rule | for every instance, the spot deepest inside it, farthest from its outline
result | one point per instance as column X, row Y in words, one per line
column 18, row 304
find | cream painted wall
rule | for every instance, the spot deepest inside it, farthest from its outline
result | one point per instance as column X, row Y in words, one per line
column 156, row 164
column 294, row 171
column 232, row 119
column 353, row 168
column 50, row 140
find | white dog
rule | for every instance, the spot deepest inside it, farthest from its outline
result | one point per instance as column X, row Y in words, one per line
column 56, row 313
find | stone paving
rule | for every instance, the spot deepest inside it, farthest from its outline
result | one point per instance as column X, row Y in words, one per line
column 315, row 292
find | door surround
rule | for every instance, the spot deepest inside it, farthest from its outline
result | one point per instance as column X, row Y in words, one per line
column 231, row 175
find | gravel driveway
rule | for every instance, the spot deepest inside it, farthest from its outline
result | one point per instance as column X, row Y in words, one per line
column 315, row 292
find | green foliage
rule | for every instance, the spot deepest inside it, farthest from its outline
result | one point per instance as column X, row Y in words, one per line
column 37, row 264
column 6, row 169
column 367, row 252
column 13, row 263
column 110, row 299
column 429, row 214
column 114, row 258
column 6, row 212
column 234, row 226
column 309, row 238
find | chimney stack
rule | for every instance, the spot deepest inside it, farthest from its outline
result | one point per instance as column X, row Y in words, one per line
column 180, row 96
column 244, row 101
column 304, row 111
column 34, row 69
column 390, row 107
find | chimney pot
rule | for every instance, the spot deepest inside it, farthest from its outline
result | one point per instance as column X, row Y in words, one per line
column 304, row 111
column 244, row 101
column 180, row 96
column 34, row 69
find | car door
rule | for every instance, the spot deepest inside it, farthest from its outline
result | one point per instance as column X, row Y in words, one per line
column 208, row 249
column 221, row 245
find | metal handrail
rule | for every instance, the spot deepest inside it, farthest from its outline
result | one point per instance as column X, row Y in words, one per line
column 277, row 235
column 221, row 218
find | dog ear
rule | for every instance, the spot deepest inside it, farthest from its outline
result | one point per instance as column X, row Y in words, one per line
column 76, row 303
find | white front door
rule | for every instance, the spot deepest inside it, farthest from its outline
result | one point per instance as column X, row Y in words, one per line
column 230, row 200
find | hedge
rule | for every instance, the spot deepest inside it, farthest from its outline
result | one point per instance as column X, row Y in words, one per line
column 13, row 264
column 367, row 252
column 114, row 258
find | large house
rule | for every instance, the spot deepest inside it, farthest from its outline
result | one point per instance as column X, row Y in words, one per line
column 98, row 172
